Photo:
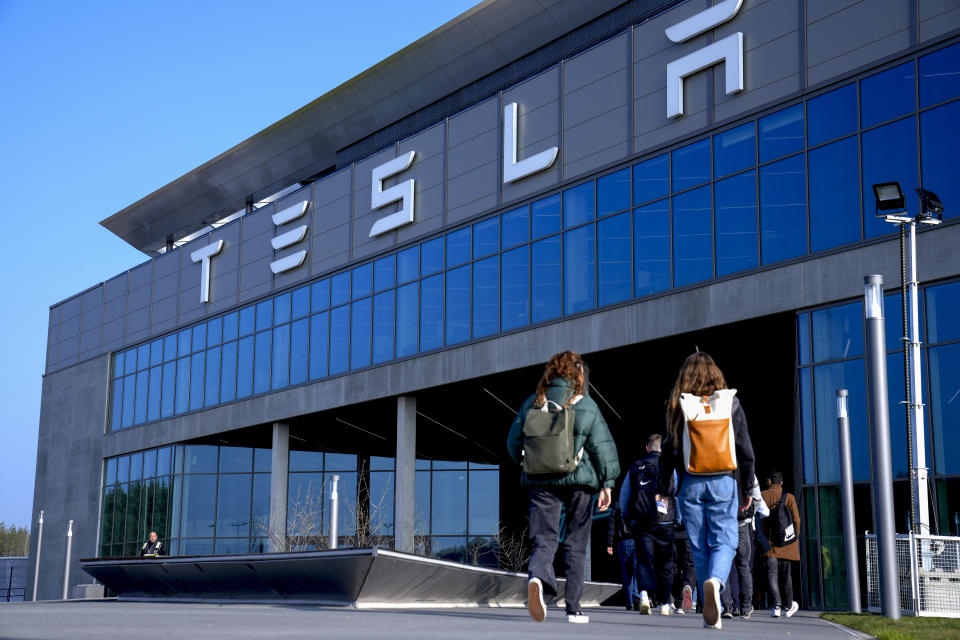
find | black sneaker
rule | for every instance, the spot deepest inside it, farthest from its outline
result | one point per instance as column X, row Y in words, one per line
column 746, row 612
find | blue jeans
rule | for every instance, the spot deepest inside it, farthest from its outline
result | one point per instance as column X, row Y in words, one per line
column 708, row 506
column 627, row 554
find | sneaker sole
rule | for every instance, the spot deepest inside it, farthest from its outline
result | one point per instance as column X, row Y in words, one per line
column 792, row 611
column 687, row 599
column 711, row 610
column 535, row 604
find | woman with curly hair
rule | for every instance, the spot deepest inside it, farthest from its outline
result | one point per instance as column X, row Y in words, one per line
column 564, row 383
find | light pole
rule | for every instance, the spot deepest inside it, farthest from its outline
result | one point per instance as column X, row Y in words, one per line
column 890, row 206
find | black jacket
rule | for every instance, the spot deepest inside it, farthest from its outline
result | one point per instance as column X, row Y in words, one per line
column 630, row 489
column 672, row 457
column 616, row 529
column 155, row 548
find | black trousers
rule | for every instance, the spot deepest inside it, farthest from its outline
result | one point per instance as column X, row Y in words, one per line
column 741, row 569
column 686, row 573
column 545, row 509
column 780, row 582
column 655, row 561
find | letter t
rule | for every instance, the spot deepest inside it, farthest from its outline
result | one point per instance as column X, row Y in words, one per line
column 203, row 256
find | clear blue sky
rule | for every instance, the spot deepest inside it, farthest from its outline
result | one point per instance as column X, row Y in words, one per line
column 101, row 103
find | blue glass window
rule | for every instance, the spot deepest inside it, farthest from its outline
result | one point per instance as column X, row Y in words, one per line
column 264, row 315
column 183, row 349
column 458, row 247
column 339, row 339
column 431, row 256
column 691, row 165
column 889, row 153
column 196, row 381
column 940, row 138
column 578, row 205
column 826, row 380
column 546, row 279
column 247, row 321
column 261, row 362
column 245, row 367
column 651, row 179
column 169, row 348
column 897, row 415
column 579, row 270
column 945, row 411
column 803, row 338
column 199, row 340
column 940, row 76
column 692, row 237
column 230, row 330
column 783, row 209
column 834, row 195
column 942, row 311
column 384, row 273
column 515, row 310
column 361, row 333
column 301, row 302
column 281, row 309
column 117, row 408
column 651, row 248
column 613, row 240
column 156, row 348
column 449, row 502
column 299, row 350
column 832, row 115
column 458, row 305
column 118, row 364
column 183, row 387
column 228, row 372
column 613, row 192
column 781, row 133
column 339, row 289
column 486, row 296
column 736, row 223
column 319, row 296
column 408, row 314
column 214, row 332
column 362, row 283
column 431, row 313
column 168, row 391
column 319, row 344
column 211, row 395
column 546, row 216
column 734, row 150
column 383, row 326
column 486, row 237
column 516, row 227
column 140, row 411
column 143, row 354
column 886, row 95
column 408, row 264
column 838, row 332
column 280, row 376
column 806, row 426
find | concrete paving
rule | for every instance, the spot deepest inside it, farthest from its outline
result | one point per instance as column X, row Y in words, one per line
column 109, row 619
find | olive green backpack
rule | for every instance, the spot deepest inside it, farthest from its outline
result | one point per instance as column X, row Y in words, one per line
column 548, row 439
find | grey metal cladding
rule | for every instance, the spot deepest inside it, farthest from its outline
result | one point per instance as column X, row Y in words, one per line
column 256, row 279
column 138, row 325
column 428, row 174
column 67, row 354
column 113, row 333
column 363, row 216
column 70, row 327
column 114, row 309
column 163, row 312
column 330, row 222
column 51, row 357
column 330, row 250
column 473, row 121
column 854, row 36
column 937, row 17
column 90, row 343
column 141, row 275
column 473, row 160
column 92, row 319
column 71, row 308
column 189, row 303
column 138, row 298
column 115, row 287
column 538, row 129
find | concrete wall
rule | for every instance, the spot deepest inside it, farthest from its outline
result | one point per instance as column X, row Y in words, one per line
column 603, row 106
column 13, row 579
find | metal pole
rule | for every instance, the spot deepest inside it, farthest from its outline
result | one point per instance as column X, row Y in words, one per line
column 66, row 559
column 879, row 412
column 36, row 567
column 333, row 512
column 846, row 490
column 919, row 471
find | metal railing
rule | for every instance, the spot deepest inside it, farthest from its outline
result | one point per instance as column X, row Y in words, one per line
column 928, row 569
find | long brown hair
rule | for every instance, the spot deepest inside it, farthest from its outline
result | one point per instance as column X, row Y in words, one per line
column 567, row 364
column 700, row 376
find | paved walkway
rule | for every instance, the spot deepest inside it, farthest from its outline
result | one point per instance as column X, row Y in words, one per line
column 109, row 619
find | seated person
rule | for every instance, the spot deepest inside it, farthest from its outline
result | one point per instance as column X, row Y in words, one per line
column 153, row 546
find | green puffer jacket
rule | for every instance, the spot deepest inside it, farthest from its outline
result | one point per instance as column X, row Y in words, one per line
column 600, row 465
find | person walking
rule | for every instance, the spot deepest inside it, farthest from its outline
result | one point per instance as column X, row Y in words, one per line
column 708, row 445
column 562, row 393
column 620, row 541
column 782, row 527
column 651, row 518
column 740, row 602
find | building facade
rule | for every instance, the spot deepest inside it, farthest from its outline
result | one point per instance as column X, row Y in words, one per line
column 368, row 288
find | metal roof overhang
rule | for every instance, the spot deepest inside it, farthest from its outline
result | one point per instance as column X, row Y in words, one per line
column 472, row 45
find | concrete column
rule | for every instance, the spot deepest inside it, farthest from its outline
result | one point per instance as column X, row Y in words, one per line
column 406, row 474
column 280, row 462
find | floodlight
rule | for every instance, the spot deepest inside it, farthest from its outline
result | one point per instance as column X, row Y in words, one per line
column 930, row 204
column 889, row 197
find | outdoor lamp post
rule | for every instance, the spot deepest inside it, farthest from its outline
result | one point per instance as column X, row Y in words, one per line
column 890, row 203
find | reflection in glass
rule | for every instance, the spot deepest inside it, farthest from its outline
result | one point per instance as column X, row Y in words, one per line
column 408, row 305
column 299, row 350
column 458, row 247
column 940, row 138
column 579, row 269
column 838, row 332
column 783, row 209
column 781, row 133
column 230, row 329
column 340, row 288
column 320, row 296
column 578, row 205
column 486, row 237
column 546, row 216
column 691, row 165
column 362, row 281
column 408, row 264
column 199, row 501
column 211, row 389
column 236, row 459
column 339, row 339
column 736, row 220
column 940, row 76
column 199, row 458
column 651, row 179
column 458, row 305
column 734, row 150
column 651, row 250
column 692, row 237
column 888, row 94
column 484, row 516
column 319, row 331
column 516, row 288
column 806, row 426
column 889, row 154
column 261, row 362
column 431, row 313
column 281, row 309
column 832, row 115
column 383, row 326
column 945, row 409
column 827, row 379
column 360, row 333
column 516, row 226
column 183, row 386
column 486, row 296
column 834, row 195
column 613, row 192
column 384, row 273
column 546, row 284
column 614, row 258
column 431, row 256
column 448, row 506
column 233, row 505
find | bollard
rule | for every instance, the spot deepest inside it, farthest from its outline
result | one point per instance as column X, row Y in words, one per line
column 333, row 512
column 66, row 560
column 36, row 567
column 879, row 411
column 846, row 490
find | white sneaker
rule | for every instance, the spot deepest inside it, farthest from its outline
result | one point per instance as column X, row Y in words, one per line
column 578, row 618
column 775, row 612
column 794, row 607
column 644, row 604
column 665, row 609
column 535, row 604
column 677, row 610
column 711, row 603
